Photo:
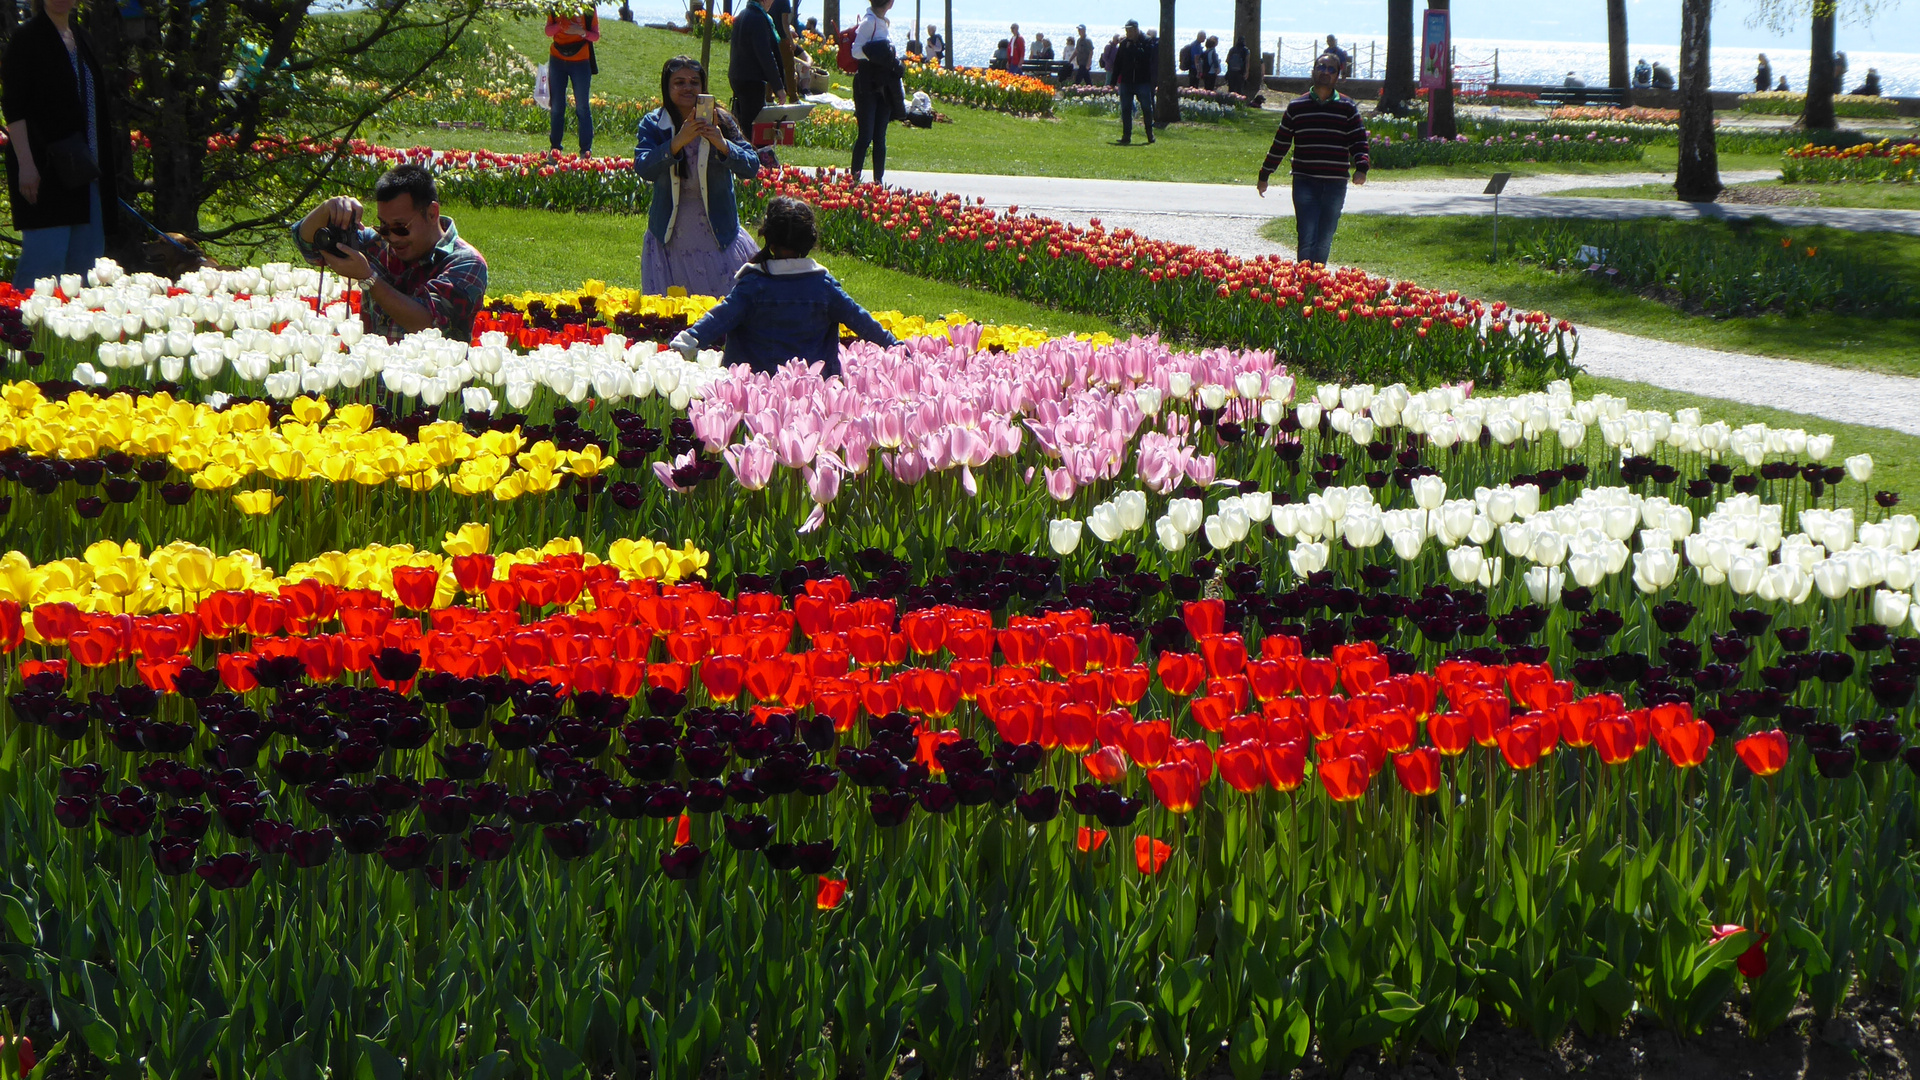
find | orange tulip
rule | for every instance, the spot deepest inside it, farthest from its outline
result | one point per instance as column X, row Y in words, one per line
column 1764, row 753
column 832, row 891
column 1418, row 770
column 1150, row 855
column 683, row 834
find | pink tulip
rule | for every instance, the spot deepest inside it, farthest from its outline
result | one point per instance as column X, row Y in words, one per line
column 1060, row 484
column 752, row 462
column 823, row 484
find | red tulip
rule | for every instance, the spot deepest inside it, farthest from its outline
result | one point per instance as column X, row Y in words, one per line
column 1451, row 733
column 723, row 676
column 1286, row 765
column 1687, row 741
column 415, row 586
column 1107, row 765
column 1211, row 712
column 1150, row 855
column 1089, row 839
column 1204, row 617
column 1765, row 753
column 831, row 892
column 1241, row 766
column 1613, row 736
column 1176, row 784
column 1226, row 654
column 1522, row 745
column 1345, row 778
column 1180, row 673
column 1418, row 770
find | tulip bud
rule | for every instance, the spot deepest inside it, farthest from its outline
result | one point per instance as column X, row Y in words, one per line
column 1064, row 535
column 1860, row 468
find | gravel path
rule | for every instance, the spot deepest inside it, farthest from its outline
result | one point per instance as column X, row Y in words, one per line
column 1230, row 218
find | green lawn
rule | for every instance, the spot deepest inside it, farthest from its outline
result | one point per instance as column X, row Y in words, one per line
column 1865, row 196
column 1452, row 252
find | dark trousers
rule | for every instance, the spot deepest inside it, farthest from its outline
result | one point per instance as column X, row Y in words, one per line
column 1209, row 80
column 1129, row 93
column 748, row 99
column 1316, row 213
column 873, row 111
column 1082, row 76
column 561, row 74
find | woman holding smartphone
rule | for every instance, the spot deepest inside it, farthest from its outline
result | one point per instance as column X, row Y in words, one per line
column 692, row 151
column 878, row 96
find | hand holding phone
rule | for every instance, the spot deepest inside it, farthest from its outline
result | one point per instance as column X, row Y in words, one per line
column 703, row 108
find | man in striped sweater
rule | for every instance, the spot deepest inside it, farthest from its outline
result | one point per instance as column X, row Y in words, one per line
column 1326, row 134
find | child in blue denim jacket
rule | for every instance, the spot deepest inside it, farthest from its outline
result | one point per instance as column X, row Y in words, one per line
column 783, row 305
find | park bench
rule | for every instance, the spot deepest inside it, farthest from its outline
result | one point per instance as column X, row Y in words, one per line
column 1586, row 95
column 1054, row 71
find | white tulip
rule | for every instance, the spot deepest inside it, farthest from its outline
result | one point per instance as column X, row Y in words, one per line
column 1544, row 583
column 1465, row 563
column 1308, row 558
column 1820, row 447
column 1860, row 468
column 1890, row 608
column 1132, row 508
column 1258, row 505
column 1064, row 535
column 1587, row 568
column 1236, row 521
column 1179, row 385
column 1407, row 543
column 1308, row 413
column 1327, row 394
column 1362, row 430
column 1171, row 536
column 1219, row 536
column 1186, row 515
column 1247, row 384
column 1104, row 522
column 1212, row 396
column 1830, row 577
column 1654, row 570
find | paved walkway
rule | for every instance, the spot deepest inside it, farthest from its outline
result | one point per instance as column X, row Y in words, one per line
column 1230, row 218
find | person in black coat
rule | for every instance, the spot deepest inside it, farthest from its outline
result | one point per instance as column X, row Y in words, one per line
column 60, row 153
column 753, row 64
column 879, row 97
column 1133, row 73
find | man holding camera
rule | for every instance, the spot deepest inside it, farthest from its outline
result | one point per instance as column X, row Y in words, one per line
column 414, row 270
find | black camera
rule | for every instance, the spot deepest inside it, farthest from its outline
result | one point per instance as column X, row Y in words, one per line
column 331, row 239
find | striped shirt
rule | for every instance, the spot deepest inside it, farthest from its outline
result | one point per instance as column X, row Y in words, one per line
column 1325, row 136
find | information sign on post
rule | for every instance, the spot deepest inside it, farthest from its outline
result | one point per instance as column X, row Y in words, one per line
column 1435, row 49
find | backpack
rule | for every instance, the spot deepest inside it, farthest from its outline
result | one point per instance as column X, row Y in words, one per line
column 846, row 60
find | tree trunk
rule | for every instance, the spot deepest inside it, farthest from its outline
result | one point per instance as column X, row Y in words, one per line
column 1697, row 179
column 830, row 16
column 1818, row 113
column 1440, row 111
column 1246, row 31
column 1397, row 89
column 1166, row 93
column 949, row 32
column 1617, row 76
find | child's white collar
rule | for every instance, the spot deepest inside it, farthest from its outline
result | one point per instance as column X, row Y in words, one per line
column 781, row 267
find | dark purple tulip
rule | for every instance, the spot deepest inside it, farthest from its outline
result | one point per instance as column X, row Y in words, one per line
column 1912, row 758
column 487, row 843
column 1879, row 740
column 465, row 761
column 446, row 814
column 1040, row 805
column 275, row 672
column 83, row 780
column 816, row 857
column 1892, row 685
column 129, row 813
column 465, row 712
column 891, row 808
column 236, row 752
column 519, row 732
column 1793, row 639
column 624, row 803
column 783, row 856
column 1115, row 810
column 73, row 811
column 408, row 732
column 650, row 762
column 683, row 862
column 196, row 683
column 751, row 833
column 299, row 767
column 1835, row 764
column 237, row 816
column 663, row 801
column 705, row 796
column 662, row 701
column 90, row 506
column 358, row 756
column 234, row 870
column 363, row 835
column 706, row 761
column 1673, row 616
column 453, row 876
column 396, row 665
column 189, row 821
column 174, row 855
column 486, row 799
column 937, row 798
column 392, row 794
column 410, row 852
column 818, row 780
column 310, row 848
column 570, row 839
column 271, row 836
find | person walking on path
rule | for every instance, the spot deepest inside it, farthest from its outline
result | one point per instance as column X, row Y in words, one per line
column 936, row 45
column 1763, row 76
column 1082, row 58
column 1108, row 59
column 1133, row 73
column 753, row 64
column 1333, row 49
column 1016, row 50
column 1210, row 64
column 61, row 158
column 1237, row 66
column 570, row 62
column 1190, row 57
column 1324, row 129
column 879, row 97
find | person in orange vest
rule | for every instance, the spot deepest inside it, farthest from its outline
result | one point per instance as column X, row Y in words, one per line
column 570, row 62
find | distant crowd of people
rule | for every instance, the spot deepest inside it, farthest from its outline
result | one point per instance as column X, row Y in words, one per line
column 1869, row 87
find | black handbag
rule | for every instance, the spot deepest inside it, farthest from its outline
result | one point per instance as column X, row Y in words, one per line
column 70, row 163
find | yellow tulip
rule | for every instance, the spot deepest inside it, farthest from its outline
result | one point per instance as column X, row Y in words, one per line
column 257, row 502
column 354, row 417
column 308, row 410
column 588, row 463
column 217, row 477
column 469, row 539
column 426, row 480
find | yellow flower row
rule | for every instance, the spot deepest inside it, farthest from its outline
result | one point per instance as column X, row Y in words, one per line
column 613, row 300
column 220, row 449
column 116, row 578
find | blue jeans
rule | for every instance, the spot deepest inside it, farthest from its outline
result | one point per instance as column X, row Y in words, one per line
column 559, row 74
column 1316, row 213
column 62, row 249
column 873, row 112
column 1128, row 93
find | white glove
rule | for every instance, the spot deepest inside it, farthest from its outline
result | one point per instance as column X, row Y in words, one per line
column 685, row 344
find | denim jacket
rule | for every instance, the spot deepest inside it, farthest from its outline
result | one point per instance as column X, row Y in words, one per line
column 786, row 309
column 653, row 159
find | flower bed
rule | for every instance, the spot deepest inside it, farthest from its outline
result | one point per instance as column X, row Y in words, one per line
column 980, row 88
column 1107, row 103
column 1208, row 703
column 1786, row 103
column 1883, row 162
column 1638, row 114
column 1411, row 151
column 1331, row 321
